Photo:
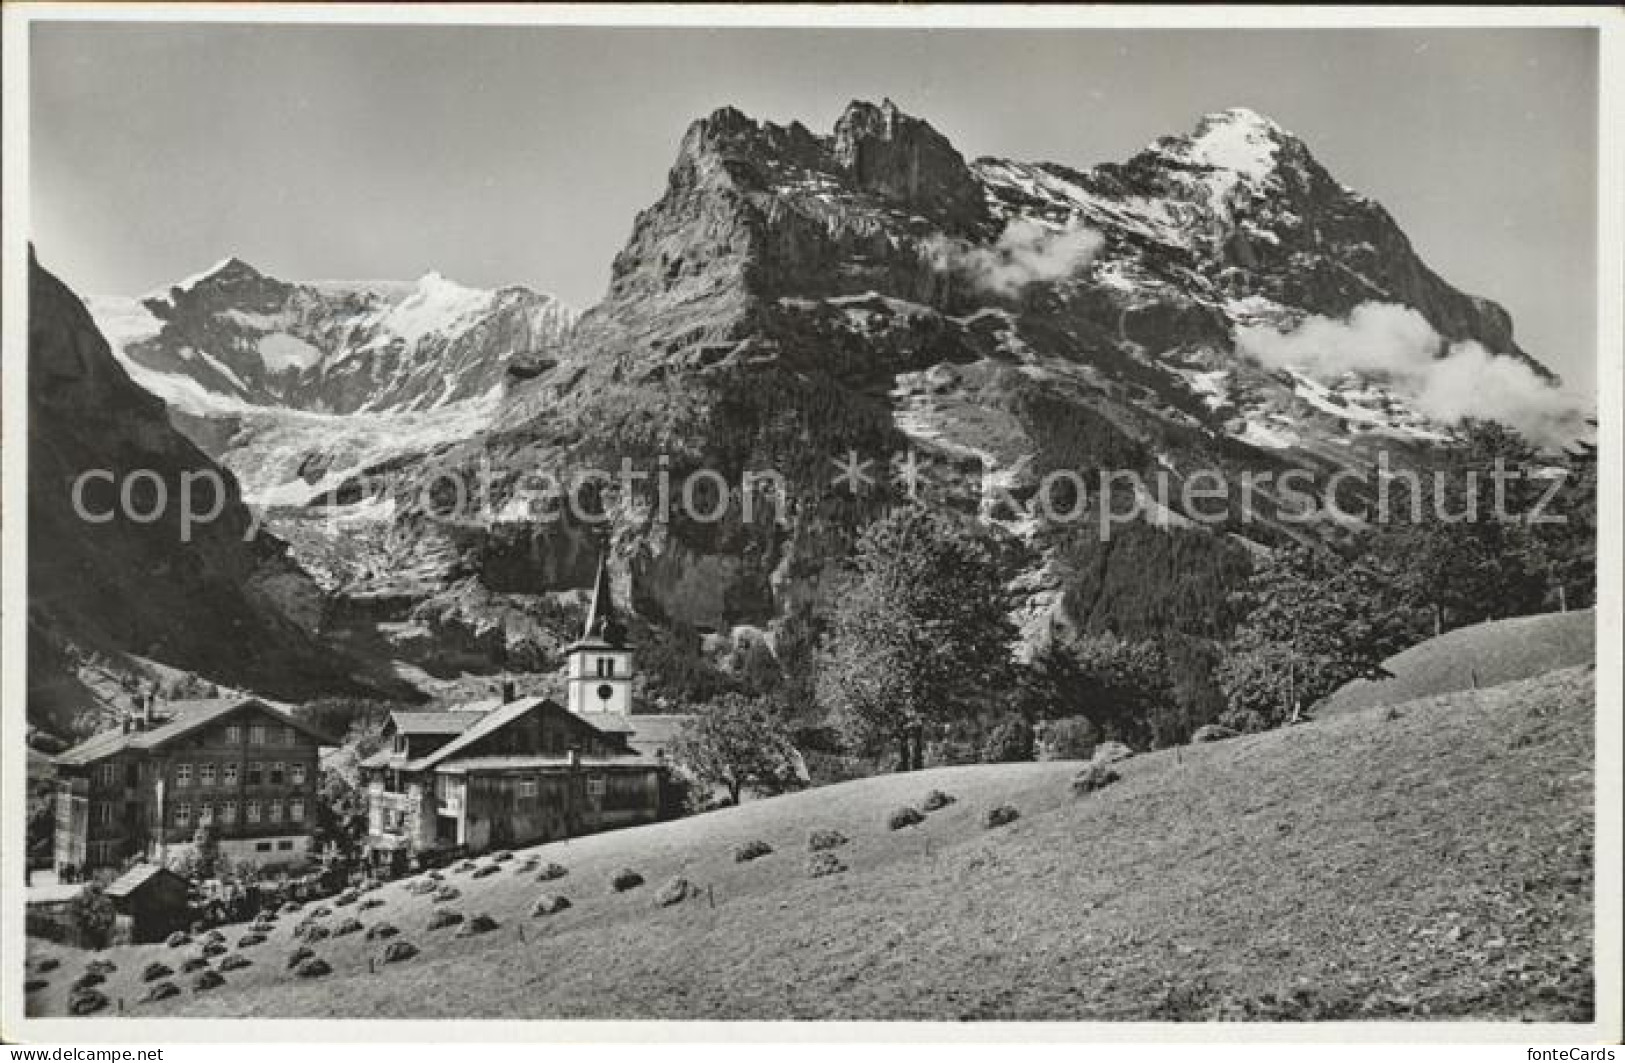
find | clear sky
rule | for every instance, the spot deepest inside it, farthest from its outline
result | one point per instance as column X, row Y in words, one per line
column 502, row 155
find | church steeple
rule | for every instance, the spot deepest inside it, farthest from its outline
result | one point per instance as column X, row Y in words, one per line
column 602, row 622
column 599, row 665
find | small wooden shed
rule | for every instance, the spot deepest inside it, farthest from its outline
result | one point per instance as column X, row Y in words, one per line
column 151, row 900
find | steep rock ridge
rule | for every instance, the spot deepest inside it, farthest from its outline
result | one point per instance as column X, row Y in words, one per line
column 207, row 598
column 792, row 295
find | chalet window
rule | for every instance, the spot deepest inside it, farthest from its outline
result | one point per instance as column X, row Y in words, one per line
column 205, row 775
column 183, row 775
column 228, row 774
column 284, row 846
column 253, row 773
column 290, row 736
column 228, row 812
column 276, row 774
column 296, row 811
column 297, row 772
column 527, row 787
column 205, row 813
column 595, row 786
column 104, row 812
column 183, row 814
column 107, row 773
column 273, row 811
column 251, row 812
column 234, row 734
column 262, row 847
column 606, row 667
column 256, row 734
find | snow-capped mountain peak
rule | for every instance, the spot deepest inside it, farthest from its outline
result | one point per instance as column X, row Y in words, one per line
column 232, row 336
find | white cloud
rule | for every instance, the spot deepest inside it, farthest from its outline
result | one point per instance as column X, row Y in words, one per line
column 1443, row 381
column 1025, row 253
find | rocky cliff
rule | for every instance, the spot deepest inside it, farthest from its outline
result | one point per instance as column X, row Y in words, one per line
column 116, row 568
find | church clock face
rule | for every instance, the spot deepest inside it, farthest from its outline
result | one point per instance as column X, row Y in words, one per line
column 605, row 691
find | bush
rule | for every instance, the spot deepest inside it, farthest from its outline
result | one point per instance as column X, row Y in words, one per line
column 674, row 892
column 626, row 879
column 1069, row 738
column 381, row 931
column 311, row 932
column 821, row 840
column 824, row 863
column 207, row 980
column 322, row 912
column 161, row 991
column 551, row 872
column 34, row 985
column 751, row 850
column 501, row 857
column 1212, row 732
column 465, row 866
column 90, row 916
column 315, row 967
column 487, row 870
column 999, row 815
column 434, row 876
column 47, row 965
column 214, row 948
column 443, row 917
column 369, row 904
column 235, row 961
column 526, row 866
column 550, row 904
column 904, row 817
column 1094, row 776
column 937, row 799
column 298, row 956
column 194, row 963
column 248, row 941
column 86, row 1002
column 89, row 979
column 348, row 897
column 154, row 971
column 102, row 967
column 349, row 926
column 480, row 924
column 447, row 894
column 399, row 950
column 422, row 887
column 1008, row 743
column 291, row 907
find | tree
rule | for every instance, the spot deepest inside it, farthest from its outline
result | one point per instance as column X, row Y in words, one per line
column 921, row 637
column 1459, row 544
column 1314, row 621
column 1121, row 687
column 735, row 742
column 206, row 850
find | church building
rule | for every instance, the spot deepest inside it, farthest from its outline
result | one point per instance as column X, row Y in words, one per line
column 520, row 771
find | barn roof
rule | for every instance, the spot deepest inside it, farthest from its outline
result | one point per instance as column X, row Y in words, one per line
column 137, row 877
column 434, row 723
column 187, row 716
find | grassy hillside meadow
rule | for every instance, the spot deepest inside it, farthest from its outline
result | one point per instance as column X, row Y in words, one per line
column 1482, row 655
column 1430, row 862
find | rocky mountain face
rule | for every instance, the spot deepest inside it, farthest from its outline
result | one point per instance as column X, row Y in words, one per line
column 233, row 336
column 117, row 573
column 793, row 298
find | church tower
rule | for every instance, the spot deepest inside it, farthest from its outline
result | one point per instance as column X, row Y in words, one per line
column 598, row 674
